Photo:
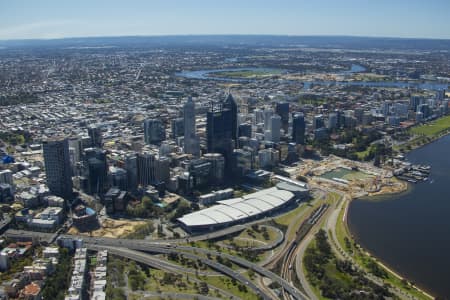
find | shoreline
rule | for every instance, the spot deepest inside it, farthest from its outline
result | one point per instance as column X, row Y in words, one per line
column 378, row 260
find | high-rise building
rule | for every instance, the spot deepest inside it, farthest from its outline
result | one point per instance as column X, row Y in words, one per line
column 282, row 109
column 219, row 132
column 57, row 167
column 245, row 129
column 118, row 178
column 146, row 168
column 154, row 131
column 318, row 122
column 191, row 142
column 217, row 166
column 298, row 128
column 415, row 101
column 231, row 104
column 275, row 126
column 95, row 134
column 332, row 120
column 268, row 112
column 177, row 126
column 95, row 171
column 6, row 177
column 132, row 171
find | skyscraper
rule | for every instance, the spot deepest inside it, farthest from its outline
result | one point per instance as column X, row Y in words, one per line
column 95, row 170
column 275, row 126
column 57, row 167
column 95, row 134
column 154, row 131
column 282, row 109
column 298, row 128
column 191, row 143
column 219, row 132
column 177, row 126
column 132, row 171
column 146, row 168
column 231, row 104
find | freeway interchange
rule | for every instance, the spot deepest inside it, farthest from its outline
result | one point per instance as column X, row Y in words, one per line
column 289, row 254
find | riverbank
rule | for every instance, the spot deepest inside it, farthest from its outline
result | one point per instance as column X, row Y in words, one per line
column 363, row 257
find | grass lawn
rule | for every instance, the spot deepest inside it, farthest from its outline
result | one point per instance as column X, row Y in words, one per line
column 433, row 128
column 227, row 284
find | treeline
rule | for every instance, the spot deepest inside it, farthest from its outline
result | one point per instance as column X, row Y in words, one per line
column 336, row 278
column 57, row 284
column 21, row 98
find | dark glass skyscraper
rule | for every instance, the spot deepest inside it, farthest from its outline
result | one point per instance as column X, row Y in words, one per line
column 298, row 128
column 57, row 167
column 231, row 104
column 282, row 109
column 219, row 132
column 95, row 170
column 95, row 134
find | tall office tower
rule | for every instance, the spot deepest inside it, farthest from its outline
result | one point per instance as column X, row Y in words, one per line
column 282, row 109
column 177, row 126
column 132, row 171
column 95, row 134
column 57, row 167
column 245, row 129
column 415, row 101
column 76, row 148
column 440, row 95
column 191, row 142
column 275, row 126
column 162, row 169
column 6, row 177
column 118, row 178
column 259, row 116
column 217, row 166
column 95, row 170
column 154, row 131
column 318, row 122
column 332, row 120
column 219, row 132
column 231, row 104
column 358, row 113
column 146, row 168
column 298, row 128
column 268, row 112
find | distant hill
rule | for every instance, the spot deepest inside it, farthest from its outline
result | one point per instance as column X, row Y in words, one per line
column 347, row 42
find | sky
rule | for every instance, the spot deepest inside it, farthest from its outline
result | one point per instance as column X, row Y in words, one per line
column 25, row 19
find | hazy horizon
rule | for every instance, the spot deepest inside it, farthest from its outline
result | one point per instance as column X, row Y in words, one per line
column 51, row 19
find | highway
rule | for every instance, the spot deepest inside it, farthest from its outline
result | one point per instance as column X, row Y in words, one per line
column 156, row 263
column 135, row 255
column 159, row 247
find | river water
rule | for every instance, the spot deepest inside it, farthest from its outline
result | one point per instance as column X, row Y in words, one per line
column 205, row 75
column 410, row 232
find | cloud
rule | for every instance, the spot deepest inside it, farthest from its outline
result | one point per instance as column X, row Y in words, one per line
column 44, row 29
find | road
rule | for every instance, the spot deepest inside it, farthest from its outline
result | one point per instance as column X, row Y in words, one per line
column 153, row 262
column 158, row 247
column 141, row 257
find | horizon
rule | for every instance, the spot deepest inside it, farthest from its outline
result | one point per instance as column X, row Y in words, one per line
column 226, row 35
column 51, row 19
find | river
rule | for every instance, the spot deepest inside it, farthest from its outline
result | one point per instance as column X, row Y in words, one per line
column 205, row 75
column 410, row 232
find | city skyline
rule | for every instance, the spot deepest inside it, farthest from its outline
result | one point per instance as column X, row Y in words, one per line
column 50, row 19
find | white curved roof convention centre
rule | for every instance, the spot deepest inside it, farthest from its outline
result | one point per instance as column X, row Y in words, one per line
column 238, row 209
